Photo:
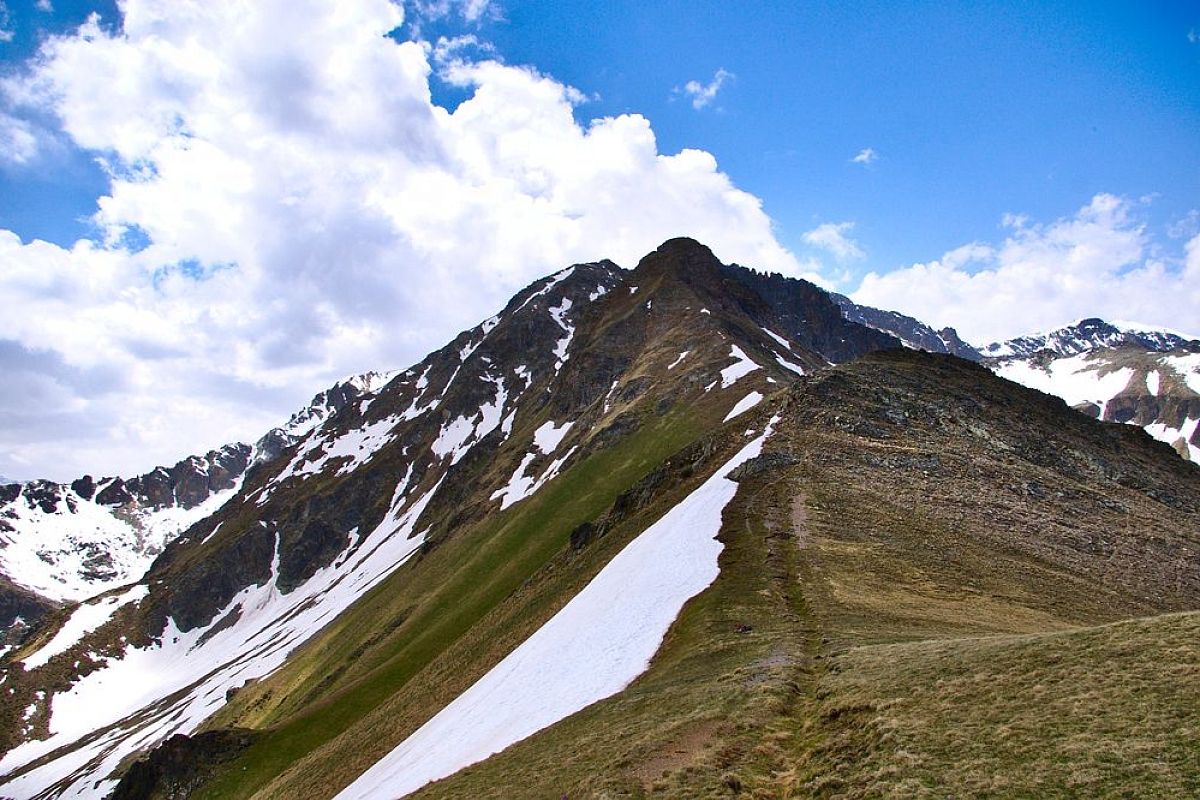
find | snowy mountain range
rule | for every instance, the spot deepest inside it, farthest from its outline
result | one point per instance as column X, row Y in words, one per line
column 425, row 567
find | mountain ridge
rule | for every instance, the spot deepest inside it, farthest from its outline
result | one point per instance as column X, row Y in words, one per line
column 404, row 546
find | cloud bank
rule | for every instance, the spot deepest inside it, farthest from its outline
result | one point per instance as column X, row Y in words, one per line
column 1099, row 261
column 288, row 205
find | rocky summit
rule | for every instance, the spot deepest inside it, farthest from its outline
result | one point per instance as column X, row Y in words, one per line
column 686, row 530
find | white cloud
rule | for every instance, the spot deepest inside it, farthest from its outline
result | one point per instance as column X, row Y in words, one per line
column 18, row 144
column 44, row 6
column 703, row 94
column 865, row 156
column 310, row 213
column 1192, row 36
column 831, row 237
column 1097, row 262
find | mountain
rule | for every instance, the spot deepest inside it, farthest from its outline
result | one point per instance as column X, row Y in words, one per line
column 912, row 332
column 636, row 531
column 66, row 542
column 1091, row 334
column 1122, row 372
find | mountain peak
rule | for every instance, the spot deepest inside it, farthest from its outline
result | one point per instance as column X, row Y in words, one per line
column 682, row 257
column 1091, row 333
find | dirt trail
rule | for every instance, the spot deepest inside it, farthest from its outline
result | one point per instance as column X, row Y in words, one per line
column 800, row 519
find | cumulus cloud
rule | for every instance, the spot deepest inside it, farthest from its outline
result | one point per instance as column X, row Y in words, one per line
column 831, row 237
column 303, row 210
column 865, row 156
column 702, row 94
column 1096, row 262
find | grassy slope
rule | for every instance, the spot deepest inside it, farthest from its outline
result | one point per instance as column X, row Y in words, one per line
column 884, row 555
column 435, row 626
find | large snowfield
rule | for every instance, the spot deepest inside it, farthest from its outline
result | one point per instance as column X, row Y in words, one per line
column 591, row 649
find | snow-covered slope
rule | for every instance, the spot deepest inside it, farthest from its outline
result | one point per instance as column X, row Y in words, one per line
column 1158, row 391
column 67, row 542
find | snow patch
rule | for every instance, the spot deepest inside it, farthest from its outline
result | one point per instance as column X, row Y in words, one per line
column 786, row 344
column 559, row 313
column 681, row 357
column 745, row 404
column 789, row 365
column 548, row 435
column 742, row 367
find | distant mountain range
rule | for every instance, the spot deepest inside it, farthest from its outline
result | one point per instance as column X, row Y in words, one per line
column 684, row 530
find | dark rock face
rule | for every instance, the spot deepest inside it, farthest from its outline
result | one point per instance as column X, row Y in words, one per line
column 912, row 332
column 201, row 587
column 811, row 318
column 19, row 603
column 180, row 764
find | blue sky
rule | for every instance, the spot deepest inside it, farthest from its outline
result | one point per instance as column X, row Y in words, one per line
column 207, row 212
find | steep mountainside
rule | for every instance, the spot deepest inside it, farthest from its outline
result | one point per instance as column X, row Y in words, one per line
column 630, row 531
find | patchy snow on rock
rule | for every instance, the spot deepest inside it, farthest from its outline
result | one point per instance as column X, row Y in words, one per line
column 745, row 404
column 83, row 620
column 548, row 435
column 521, row 485
column 596, row 295
column 149, row 694
column 681, row 357
column 555, row 280
column 608, row 397
column 354, row 448
column 742, row 367
column 559, row 313
column 82, row 548
column 594, row 647
column 460, row 435
column 1188, row 367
